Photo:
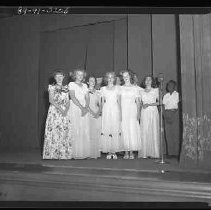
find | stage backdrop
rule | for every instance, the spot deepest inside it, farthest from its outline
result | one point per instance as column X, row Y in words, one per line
column 195, row 34
column 98, row 48
column 19, row 52
column 33, row 46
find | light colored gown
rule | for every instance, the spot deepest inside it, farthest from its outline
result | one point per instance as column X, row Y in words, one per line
column 80, row 125
column 150, row 125
column 57, row 139
column 110, row 140
column 130, row 124
column 95, row 125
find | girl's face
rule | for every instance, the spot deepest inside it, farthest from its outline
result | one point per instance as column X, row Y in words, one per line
column 79, row 76
column 148, row 81
column 110, row 78
column 91, row 82
column 59, row 78
column 118, row 82
column 126, row 77
column 170, row 87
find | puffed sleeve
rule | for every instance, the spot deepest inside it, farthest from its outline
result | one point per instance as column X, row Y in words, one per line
column 50, row 88
column 101, row 91
column 71, row 86
column 86, row 90
column 137, row 92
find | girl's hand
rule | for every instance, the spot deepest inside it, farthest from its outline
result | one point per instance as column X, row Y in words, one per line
column 63, row 113
column 145, row 106
column 84, row 111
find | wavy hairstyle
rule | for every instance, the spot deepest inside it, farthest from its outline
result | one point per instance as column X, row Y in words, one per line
column 105, row 79
column 56, row 72
column 73, row 75
column 131, row 74
column 154, row 85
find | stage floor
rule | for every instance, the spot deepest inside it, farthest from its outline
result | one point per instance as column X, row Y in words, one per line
column 25, row 176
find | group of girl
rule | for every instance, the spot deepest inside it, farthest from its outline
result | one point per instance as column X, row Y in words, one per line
column 84, row 121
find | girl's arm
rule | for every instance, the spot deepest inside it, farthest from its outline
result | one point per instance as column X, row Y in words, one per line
column 51, row 100
column 75, row 100
column 67, row 107
column 138, row 105
column 119, row 99
column 87, row 98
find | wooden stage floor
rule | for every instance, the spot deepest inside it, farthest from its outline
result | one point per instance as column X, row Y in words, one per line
column 25, row 176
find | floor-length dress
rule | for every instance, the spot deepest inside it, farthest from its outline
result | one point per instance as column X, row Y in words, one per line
column 80, row 124
column 95, row 125
column 130, row 124
column 110, row 140
column 150, row 125
column 57, row 139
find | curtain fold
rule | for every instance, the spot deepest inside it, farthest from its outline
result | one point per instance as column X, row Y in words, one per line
column 195, row 40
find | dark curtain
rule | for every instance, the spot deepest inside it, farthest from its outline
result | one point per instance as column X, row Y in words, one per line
column 195, row 39
column 91, row 47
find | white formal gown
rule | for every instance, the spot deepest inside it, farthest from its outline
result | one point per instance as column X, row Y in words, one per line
column 80, row 125
column 150, row 126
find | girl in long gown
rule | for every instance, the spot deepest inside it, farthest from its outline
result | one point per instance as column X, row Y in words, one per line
column 79, row 108
column 57, row 140
column 130, row 105
column 111, row 116
column 94, row 118
column 149, row 120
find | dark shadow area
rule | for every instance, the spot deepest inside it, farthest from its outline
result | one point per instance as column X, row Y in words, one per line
column 45, row 98
column 179, row 79
column 106, row 205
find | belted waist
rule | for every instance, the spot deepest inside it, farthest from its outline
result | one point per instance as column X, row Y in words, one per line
column 171, row 110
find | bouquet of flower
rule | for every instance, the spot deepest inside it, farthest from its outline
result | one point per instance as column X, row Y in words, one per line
column 60, row 89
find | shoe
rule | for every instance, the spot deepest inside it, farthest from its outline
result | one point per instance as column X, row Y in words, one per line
column 114, row 157
column 131, row 157
column 126, row 156
column 108, row 157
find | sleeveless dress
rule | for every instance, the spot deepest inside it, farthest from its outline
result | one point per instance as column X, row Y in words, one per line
column 95, row 125
column 57, row 139
column 110, row 140
column 80, row 125
column 150, row 126
column 130, row 124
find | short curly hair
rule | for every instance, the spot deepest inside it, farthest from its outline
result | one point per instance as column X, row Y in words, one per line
column 73, row 75
column 171, row 82
column 58, row 71
column 105, row 79
column 91, row 76
column 131, row 74
column 154, row 85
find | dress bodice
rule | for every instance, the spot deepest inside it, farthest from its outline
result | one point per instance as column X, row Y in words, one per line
column 110, row 95
column 60, row 96
column 80, row 91
column 149, row 97
column 129, row 92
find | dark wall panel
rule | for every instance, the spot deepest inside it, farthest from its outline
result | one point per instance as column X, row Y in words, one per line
column 19, row 54
column 139, row 44
column 164, row 46
column 120, row 45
